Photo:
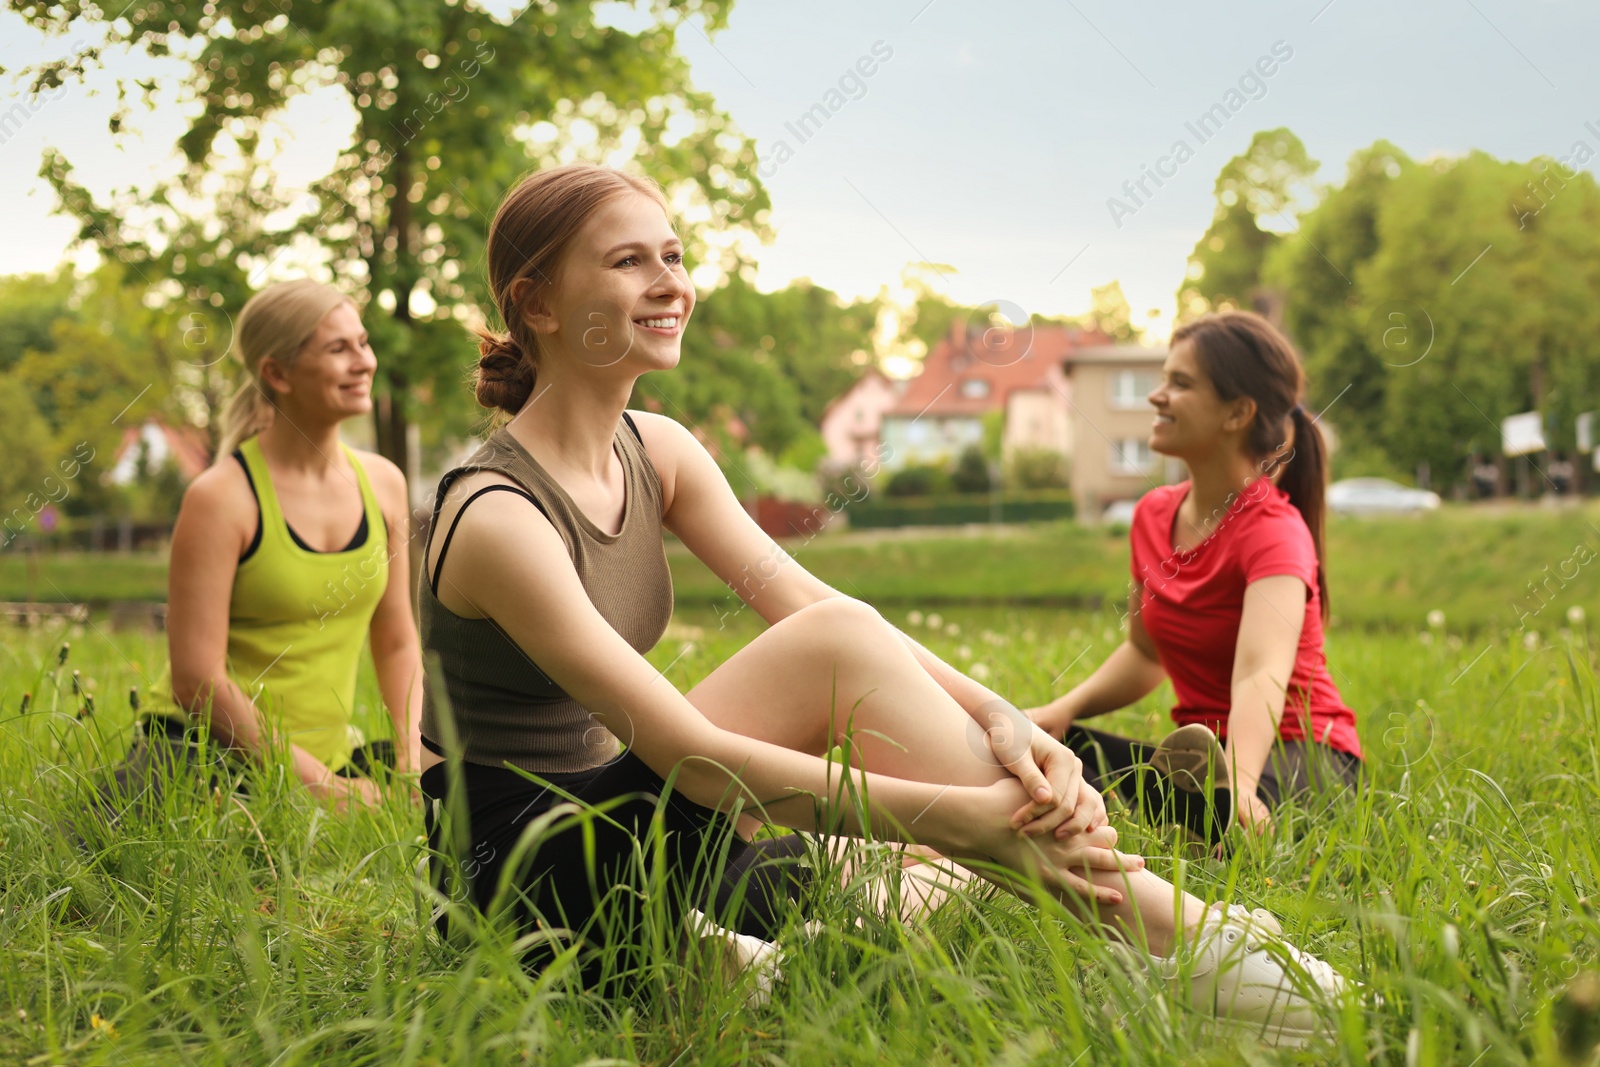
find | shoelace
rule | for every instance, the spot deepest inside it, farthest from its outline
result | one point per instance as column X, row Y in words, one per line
column 1261, row 929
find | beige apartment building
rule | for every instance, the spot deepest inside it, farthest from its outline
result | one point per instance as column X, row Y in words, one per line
column 1066, row 390
column 1111, row 455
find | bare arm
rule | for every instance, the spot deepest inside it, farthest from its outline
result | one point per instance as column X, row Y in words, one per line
column 1269, row 638
column 207, row 540
column 702, row 510
column 396, row 646
column 1130, row 673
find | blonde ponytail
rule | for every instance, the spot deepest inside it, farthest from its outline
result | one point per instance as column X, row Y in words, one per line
column 275, row 324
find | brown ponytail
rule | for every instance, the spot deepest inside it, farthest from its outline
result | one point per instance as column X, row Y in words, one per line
column 1245, row 355
column 1305, row 480
column 505, row 375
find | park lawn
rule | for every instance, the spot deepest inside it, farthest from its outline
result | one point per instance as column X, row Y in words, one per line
column 1479, row 567
column 1460, row 889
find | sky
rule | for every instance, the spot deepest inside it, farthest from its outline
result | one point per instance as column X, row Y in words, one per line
column 992, row 138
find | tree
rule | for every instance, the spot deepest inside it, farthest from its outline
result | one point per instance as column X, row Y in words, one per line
column 1459, row 291
column 1269, row 179
column 971, row 474
column 1110, row 313
column 108, row 365
column 915, row 479
column 28, row 478
column 1347, row 343
column 29, row 305
column 450, row 105
column 1037, row 468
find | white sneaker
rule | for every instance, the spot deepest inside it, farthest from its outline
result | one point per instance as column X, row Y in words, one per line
column 1239, row 970
column 744, row 953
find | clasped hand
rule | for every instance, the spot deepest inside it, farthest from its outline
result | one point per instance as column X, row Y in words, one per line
column 1062, row 801
column 1060, row 807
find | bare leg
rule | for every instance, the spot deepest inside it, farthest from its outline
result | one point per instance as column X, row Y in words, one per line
column 837, row 667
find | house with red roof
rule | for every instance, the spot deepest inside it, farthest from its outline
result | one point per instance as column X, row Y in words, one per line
column 852, row 423
column 1061, row 388
column 186, row 447
column 976, row 370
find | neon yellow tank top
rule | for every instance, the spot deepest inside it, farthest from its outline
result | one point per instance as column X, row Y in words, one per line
column 298, row 620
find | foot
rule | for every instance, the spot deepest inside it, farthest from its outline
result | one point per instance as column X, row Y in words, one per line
column 1238, row 969
column 1189, row 758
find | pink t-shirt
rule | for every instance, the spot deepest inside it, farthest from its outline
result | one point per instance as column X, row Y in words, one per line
column 1193, row 601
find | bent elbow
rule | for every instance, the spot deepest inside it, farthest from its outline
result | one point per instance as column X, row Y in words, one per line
column 194, row 693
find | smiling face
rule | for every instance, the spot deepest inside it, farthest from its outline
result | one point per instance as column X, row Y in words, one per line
column 622, row 296
column 1191, row 419
column 331, row 376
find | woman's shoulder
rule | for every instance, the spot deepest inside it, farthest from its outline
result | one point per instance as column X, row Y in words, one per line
column 222, row 488
column 387, row 479
column 220, row 500
column 1275, row 511
column 1158, row 502
column 669, row 447
column 661, row 434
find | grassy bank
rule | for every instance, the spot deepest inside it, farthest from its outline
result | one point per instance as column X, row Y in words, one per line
column 1389, row 573
column 1459, row 889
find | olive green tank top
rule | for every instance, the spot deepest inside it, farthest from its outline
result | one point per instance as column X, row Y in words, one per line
column 506, row 709
column 298, row 620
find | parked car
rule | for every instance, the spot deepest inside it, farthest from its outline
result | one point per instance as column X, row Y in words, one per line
column 1119, row 513
column 1378, row 496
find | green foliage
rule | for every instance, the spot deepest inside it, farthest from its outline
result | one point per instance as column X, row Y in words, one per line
column 1110, row 313
column 806, row 452
column 1459, row 291
column 971, row 473
column 1332, row 335
column 916, row 479
column 1263, row 181
column 1036, row 468
column 103, row 363
column 451, row 105
column 25, row 441
column 994, row 434
column 30, row 305
column 772, row 361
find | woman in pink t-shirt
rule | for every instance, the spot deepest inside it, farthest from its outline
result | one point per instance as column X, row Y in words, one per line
column 1228, row 598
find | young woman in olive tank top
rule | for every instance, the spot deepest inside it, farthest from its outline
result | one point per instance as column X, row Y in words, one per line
column 271, row 595
column 545, row 583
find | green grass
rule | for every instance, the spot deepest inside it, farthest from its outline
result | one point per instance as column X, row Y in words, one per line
column 1462, row 889
column 82, row 577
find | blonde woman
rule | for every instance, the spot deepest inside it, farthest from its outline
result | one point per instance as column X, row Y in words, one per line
column 289, row 552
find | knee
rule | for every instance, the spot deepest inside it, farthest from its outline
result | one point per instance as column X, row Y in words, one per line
column 838, row 619
column 838, row 611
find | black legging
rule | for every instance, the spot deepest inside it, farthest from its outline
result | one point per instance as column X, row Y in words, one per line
column 1293, row 767
column 584, row 876
column 169, row 749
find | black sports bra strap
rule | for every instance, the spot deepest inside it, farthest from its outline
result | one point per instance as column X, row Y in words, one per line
column 438, row 564
column 627, row 418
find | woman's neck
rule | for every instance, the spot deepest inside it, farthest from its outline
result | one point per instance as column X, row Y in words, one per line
column 299, row 444
column 570, row 422
column 1214, row 482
